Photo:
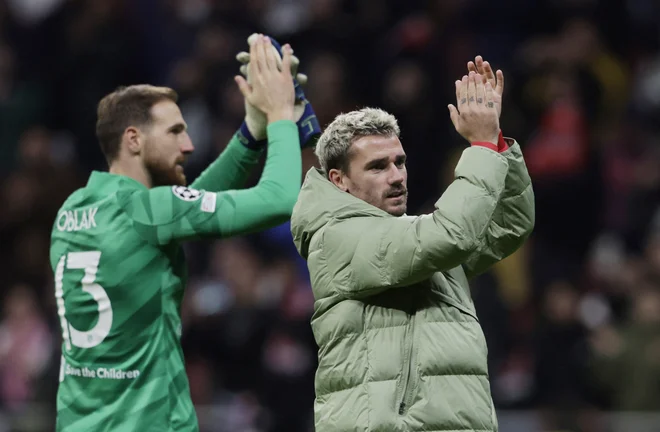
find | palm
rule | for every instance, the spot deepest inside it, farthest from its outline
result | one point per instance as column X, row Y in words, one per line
column 496, row 79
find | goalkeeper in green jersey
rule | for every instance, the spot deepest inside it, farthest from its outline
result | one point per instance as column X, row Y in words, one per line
column 119, row 268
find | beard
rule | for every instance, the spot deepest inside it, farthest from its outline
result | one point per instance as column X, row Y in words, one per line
column 400, row 209
column 165, row 174
column 398, row 194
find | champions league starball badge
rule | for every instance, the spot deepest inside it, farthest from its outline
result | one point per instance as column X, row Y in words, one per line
column 185, row 193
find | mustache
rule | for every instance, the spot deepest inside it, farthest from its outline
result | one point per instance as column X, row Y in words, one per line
column 402, row 190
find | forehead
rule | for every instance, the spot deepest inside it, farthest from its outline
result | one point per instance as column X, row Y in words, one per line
column 166, row 112
column 376, row 147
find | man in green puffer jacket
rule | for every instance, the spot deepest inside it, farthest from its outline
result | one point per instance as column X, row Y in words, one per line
column 400, row 345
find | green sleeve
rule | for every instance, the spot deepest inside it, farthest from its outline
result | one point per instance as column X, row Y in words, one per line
column 230, row 170
column 167, row 214
column 513, row 219
column 367, row 255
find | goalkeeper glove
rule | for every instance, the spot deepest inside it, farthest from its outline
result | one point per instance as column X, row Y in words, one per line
column 253, row 130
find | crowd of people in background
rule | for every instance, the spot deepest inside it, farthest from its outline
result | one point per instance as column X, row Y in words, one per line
column 572, row 320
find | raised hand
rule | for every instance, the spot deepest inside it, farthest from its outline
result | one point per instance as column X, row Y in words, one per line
column 244, row 58
column 271, row 88
column 476, row 117
column 496, row 80
column 308, row 125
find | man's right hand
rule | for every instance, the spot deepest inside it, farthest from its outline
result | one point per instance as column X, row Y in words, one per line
column 271, row 90
column 496, row 79
column 476, row 118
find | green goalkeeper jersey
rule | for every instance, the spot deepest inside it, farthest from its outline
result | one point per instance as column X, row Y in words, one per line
column 120, row 274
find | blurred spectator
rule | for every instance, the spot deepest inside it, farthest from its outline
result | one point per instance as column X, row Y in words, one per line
column 628, row 358
column 26, row 347
column 561, row 373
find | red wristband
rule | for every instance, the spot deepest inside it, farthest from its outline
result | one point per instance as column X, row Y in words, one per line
column 502, row 146
column 486, row 144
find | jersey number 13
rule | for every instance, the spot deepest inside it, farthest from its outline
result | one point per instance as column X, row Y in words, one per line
column 89, row 262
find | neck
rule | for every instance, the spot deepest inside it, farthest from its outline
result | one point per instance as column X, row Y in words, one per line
column 135, row 171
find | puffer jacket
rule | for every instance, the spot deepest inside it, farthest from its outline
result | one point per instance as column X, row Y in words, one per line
column 400, row 345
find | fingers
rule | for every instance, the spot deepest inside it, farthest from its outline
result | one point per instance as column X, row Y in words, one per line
column 243, row 86
column 479, row 89
column 253, row 38
column 454, row 116
column 488, row 72
column 261, row 55
column 256, row 56
column 489, row 95
column 472, row 88
column 477, row 117
column 499, row 88
column 243, row 57
column 286, row 60
column 250, row 70
column 270, row 54
column 463, row 92
column 480, row 68
column 246, row 65
column 459, row 89
column 479, row 61
column 295, row 62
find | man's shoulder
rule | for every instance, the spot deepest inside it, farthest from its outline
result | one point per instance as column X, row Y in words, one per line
column 93, row 192
column 75, row 197
column 99, row 205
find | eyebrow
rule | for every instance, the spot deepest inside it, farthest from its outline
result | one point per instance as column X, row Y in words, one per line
column 178, row 126
column 376, row 162
column 383, row 161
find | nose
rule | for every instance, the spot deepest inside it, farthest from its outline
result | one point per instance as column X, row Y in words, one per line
column 186, row 145
column 396, row 175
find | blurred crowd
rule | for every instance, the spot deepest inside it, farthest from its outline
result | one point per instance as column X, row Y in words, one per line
column 572, row 320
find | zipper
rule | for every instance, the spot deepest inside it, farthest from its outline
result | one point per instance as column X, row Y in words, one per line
column 408, row 382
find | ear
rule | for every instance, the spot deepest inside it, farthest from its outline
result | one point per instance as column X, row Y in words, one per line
column 133, row 140
column 338, row 178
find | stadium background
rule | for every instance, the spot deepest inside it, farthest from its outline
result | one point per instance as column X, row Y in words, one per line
column 572, row 320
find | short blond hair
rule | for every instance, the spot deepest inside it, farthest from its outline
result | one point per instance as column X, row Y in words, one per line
column 332, row 148
column 126, row 106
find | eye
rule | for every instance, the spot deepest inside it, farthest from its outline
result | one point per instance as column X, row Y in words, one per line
column 176, row 130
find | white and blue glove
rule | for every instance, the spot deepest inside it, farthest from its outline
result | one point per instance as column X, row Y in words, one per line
column 253, row 130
